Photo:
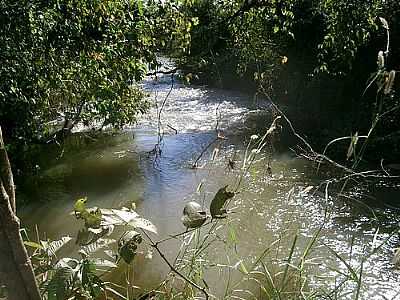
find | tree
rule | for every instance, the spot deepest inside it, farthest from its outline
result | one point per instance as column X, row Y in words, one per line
column 71, row 61
column 15, row 269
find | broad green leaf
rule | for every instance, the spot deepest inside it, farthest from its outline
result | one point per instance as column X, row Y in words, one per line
column 92, row 218
column 117, row 216
column 144, row 224
column 59, row 283
column 80, row 205
column 100, row 262
column 193, row 216
column 219, row 201
column 67, row 262
column 87, row 236
column 97, row 245
column 125, row 215
column 242, row 268
column 127, row 245
column 52, row 247
column 111, row 254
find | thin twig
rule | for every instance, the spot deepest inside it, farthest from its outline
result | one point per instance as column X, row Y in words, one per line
column 218, row 137
column 173, row 269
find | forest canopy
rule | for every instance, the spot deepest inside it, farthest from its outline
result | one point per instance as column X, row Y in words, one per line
column 75, row 61
column 315, row 58
column 323, row 72
column 68, row 62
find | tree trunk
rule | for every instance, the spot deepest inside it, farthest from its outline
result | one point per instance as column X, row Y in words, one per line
column 15, row 267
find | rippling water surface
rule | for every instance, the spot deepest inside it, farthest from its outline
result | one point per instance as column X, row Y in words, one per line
column 116, row 170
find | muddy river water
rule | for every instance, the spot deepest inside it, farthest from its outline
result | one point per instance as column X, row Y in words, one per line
column 116, row 170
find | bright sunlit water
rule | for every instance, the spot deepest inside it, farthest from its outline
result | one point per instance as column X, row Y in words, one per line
column 117, row 170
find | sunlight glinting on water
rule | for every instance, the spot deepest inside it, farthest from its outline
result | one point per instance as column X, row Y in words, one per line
column 120, row 170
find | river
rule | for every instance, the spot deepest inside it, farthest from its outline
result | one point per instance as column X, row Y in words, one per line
column 118, row 169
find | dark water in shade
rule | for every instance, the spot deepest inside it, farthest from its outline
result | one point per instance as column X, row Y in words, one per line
column 117, row 170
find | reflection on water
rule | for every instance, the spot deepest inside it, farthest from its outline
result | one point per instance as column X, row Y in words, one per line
column 119, row 170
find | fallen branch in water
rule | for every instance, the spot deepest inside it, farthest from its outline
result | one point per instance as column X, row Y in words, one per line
column 167, row 72
column 195, row 164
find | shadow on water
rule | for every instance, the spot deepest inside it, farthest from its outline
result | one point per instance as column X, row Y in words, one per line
column 117, row 170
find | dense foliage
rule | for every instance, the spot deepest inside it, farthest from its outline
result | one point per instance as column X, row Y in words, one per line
column 314, row 56
column 258, row 34
column 75, row 62
column 69, row 62
column 79, row 62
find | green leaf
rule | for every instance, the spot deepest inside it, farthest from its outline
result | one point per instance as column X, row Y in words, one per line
column 52, row 247
column 144, row 224
column 88, row 236
column 219, row 201
column 193, row 216
column 117, row 216
column 100, row 262
column 232, row 235
column 80, row 206
column 140, row 7
column 59, row 283
column 92, row 218
column 351, row 270
column 90, row 281
column 67, row 262
column 97, row 245
column 127, row 245
column 33, row 244
column 126, row 216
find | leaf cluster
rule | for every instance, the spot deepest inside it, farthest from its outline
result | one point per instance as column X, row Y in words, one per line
column 69, row 62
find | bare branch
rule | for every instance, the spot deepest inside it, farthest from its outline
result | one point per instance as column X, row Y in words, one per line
column 173, row 269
